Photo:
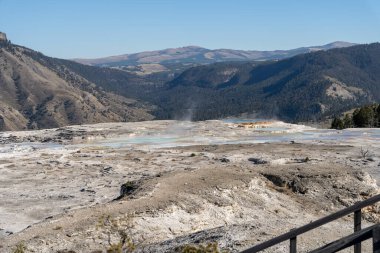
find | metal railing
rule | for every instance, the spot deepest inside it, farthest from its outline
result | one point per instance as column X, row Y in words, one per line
column 354, row 239
column 292, row 235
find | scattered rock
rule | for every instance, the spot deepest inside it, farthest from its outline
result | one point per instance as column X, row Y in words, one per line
column 257, row 161
column 107, row 170
column 275, row 179
column 295, row 184
column 127, row 189
column 64, row 196
column 302, row 160
column 8, row 232
column 225, row 160
column 87, row 190
column 71, row 234
column 190, row 169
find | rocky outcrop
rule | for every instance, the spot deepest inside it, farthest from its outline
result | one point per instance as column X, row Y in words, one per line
column 3, row 37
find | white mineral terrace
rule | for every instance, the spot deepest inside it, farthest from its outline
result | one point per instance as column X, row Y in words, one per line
column 43, row 174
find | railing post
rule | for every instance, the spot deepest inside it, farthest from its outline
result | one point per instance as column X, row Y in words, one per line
column 376, row 239
column 358, row 227
column 293, row 245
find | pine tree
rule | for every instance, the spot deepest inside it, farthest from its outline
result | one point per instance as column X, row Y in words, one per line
column 364, row 117
column 347, row 121
column 337, row 123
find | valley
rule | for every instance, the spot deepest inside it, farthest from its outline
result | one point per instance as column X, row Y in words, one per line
column 43, row 92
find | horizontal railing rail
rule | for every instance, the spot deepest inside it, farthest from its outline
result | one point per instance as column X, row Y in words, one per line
column 292, row 234
column 355, row 238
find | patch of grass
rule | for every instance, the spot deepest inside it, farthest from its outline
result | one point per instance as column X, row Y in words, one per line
column 115, row 248
column 111, row 226
column 20, row 248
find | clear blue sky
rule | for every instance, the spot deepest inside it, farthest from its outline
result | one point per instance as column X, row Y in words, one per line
column 95, row 28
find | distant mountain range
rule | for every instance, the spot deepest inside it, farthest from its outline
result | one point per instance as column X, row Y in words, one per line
column 173, row 59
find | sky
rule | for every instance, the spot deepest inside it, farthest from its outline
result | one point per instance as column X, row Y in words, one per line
column 97, row 28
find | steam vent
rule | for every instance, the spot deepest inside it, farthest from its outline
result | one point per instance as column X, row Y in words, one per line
column 3, row 36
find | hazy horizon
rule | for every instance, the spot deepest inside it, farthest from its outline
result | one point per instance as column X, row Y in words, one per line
column 93, row 29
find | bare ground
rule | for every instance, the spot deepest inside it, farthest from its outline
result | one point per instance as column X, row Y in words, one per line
column 181, row 195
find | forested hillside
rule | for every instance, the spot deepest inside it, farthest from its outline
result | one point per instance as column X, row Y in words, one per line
column 306, row 87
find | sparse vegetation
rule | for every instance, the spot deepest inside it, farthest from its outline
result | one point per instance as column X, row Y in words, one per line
column 209, row 248
column 364, row 152
column 111, row 227
column 20, row 248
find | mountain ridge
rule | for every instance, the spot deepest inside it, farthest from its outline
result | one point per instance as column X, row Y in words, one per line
column 186, row 52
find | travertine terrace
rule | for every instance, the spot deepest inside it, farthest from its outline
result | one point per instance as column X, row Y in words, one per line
column 193, row 182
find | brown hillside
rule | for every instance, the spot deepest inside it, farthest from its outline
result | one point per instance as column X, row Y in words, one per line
column 34, row 96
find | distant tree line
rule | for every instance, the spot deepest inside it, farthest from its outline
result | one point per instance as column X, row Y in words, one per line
column 366, row 116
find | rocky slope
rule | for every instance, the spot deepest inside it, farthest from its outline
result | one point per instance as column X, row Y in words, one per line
column 36, row 95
